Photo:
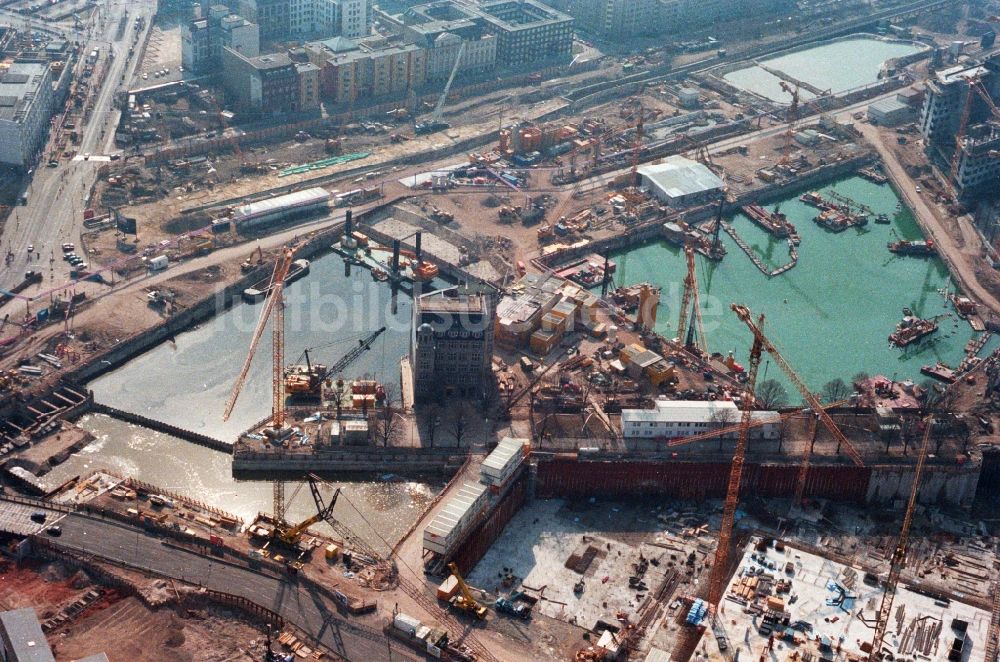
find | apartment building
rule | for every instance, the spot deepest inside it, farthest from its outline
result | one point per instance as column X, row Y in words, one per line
column 25, row 109
column 441, row 28
column 291, row 19
column 528, row 32
column 308, row 74
column 373, row 68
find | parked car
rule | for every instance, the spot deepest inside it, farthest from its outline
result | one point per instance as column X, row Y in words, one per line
column 54, row 531
column 38, row 516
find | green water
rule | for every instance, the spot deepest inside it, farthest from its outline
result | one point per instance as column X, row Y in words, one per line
column 839, row 66
column 832, row 313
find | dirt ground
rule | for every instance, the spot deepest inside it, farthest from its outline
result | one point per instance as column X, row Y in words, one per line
column 123, row 627
column 127, row 631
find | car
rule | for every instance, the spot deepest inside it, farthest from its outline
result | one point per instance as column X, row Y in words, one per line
column 31, row 248
column 145, row 76
column 68, row 248
column 81, row 266
column 918, row 189
column 69, row 256
column 38, row 516
column 86, row 156
column 55, row 531
column 52, row 164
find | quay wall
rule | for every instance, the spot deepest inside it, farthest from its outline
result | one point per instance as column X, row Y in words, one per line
column 569, row 476
column 650, row 230
column 358, row 460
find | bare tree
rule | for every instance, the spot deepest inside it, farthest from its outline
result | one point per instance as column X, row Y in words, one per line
column 458, row 421
column 722, row 417
column 835, row 390
column 860, row 377
column 771, row 394
column 387, row 422
column 430, row 416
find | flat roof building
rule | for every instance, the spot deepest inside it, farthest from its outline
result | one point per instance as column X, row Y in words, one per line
column 21, row 637
column 670, row 419
column 25, row 109
column 680, row 182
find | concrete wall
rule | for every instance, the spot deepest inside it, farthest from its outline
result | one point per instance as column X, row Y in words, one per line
column 953, row 486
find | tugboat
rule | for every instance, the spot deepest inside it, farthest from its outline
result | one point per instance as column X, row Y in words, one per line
column 883, row 219
column 918, row 248
column 910, row 330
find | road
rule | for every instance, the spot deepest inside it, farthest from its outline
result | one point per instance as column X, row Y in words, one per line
column 56, row 196
column 359, row 641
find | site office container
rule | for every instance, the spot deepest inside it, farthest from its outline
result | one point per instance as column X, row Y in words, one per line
column 455, row 517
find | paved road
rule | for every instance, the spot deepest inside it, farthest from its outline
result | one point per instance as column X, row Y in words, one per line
column 360, row 641
column 56, row 196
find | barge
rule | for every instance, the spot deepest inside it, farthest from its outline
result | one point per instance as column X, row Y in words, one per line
column 917, row 248
column 258, row 292
column 911, row 329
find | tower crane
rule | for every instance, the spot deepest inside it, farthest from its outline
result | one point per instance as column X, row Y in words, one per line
column 975, row 85
column 433, row 124
column 691, row 296
column 721, row 562
column 275, row 304
column 760, row 345
column 899, row 554
column 793, row 116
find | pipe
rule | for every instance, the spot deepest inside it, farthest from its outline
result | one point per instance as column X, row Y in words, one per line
column 417, row 242
column 348, row 223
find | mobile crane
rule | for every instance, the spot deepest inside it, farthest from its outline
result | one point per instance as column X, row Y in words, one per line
column 306, row 381
column 464, row 600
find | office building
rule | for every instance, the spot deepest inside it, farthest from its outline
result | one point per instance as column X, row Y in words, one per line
column 528, row 32
column 616, row 19
column 266, row 84
column 25, row 110
column 451, row 347
column 291, row 19
column 947, row 98
column 203, row 39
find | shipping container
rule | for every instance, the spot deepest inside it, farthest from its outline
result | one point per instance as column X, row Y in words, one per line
column 500, row 464
column 158, row 263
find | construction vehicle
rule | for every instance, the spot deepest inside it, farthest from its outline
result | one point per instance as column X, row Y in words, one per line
column 306, row 381
column 464, row 601
column 290, row 535
column 433, row 124
column 249, row 264
column 514, row 606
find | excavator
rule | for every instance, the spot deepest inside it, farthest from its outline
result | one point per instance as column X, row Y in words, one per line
column 464, row 601
column 305, row 382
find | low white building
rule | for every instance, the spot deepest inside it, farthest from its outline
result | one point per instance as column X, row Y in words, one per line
column 681, row 182
column 670, row 419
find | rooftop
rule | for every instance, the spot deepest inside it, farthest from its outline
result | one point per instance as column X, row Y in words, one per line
column 890, row 105
column 451, row 300
column 19, row 87
column 527, row 297
column 677, row 176
column 21, row 628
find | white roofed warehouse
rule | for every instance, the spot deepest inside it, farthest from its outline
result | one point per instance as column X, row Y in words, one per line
column 681, row 182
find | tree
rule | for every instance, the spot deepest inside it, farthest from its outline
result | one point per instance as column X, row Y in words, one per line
column 835, row 390
column 388, row 422
column 771, row 394
column 722, row 417
column 860, row 377
column 458, row 421
column 430, row 416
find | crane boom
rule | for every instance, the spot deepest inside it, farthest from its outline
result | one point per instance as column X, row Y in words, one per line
column 689, row 285
column 744, row 314
column 436, row 115
column 281, row 267
column 352, row 356
column 721, row 563
column 899, row 554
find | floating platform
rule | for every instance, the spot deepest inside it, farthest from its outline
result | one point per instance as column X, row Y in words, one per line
column 259, row 291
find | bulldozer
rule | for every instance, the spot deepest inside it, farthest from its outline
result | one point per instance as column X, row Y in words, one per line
column 464, row 601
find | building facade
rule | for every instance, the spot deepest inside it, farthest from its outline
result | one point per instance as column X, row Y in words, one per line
column 290, row 19
column 266, row 84
column 308, row 74
column 672, row 419
column 527, row 32
column 451, row 346
column 25, row 109
column 203, row 39
column 375, row 68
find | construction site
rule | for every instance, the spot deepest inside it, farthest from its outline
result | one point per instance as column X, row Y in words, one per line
column 635, row 357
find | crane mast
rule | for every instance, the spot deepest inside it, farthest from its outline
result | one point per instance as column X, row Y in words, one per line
column 899, row 554
column 721, row 563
